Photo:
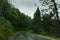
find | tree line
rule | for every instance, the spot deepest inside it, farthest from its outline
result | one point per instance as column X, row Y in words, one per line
column 12, row 20
column 45, row 25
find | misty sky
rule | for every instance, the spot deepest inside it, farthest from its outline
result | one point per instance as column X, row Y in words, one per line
column 27, row 6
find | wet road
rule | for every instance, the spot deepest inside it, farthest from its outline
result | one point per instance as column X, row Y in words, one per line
column 26, row 36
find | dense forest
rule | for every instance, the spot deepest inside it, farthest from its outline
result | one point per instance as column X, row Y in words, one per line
column 12, row 21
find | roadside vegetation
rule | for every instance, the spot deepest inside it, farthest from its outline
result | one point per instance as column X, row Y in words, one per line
column 12, row 21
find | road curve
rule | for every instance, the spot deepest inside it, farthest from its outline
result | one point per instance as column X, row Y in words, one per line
column 25, row 36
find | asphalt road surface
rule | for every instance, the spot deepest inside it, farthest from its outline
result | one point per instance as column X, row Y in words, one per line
column 25, row 36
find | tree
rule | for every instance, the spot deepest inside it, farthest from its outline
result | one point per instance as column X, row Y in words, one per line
column 19, row 20
column 23, row 22
column 57, row 19
column 47, row 23
column 51, row 4
column 6, row 29
column 36, row 22
column 53, row 10
column 56, row 9
column 5, row 7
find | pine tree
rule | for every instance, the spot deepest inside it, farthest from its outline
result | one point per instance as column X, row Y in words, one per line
column 36, row 22
column 47, row 23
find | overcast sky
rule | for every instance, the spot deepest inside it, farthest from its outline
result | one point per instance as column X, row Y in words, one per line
column 26, row 6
